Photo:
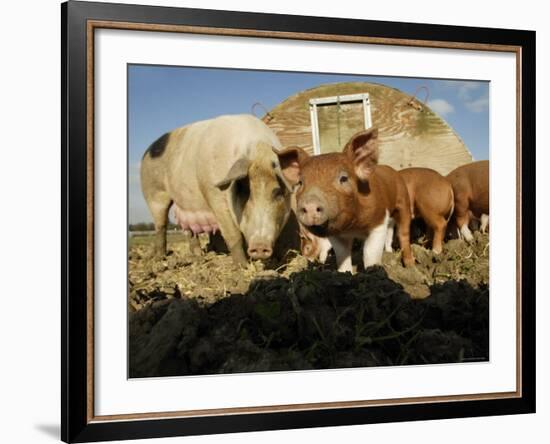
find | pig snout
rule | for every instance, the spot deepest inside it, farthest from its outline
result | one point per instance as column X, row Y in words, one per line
column 312, row 210
column 260, row 250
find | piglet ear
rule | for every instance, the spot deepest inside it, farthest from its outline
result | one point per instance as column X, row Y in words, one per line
column 362, row 150
column 239, row 170
column 290, row 160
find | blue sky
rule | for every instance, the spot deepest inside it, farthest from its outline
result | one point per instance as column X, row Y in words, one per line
column 161, row 98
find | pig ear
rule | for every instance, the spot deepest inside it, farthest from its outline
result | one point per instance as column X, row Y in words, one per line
column 362, row 150
column 290, row 159
column 239, row 170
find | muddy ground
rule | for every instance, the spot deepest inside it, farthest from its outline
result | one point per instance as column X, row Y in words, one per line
column 200, row 314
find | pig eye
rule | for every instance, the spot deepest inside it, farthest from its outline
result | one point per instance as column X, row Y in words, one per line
column 343, row 178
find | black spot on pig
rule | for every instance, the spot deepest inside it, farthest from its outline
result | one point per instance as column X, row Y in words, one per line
column 156, row 149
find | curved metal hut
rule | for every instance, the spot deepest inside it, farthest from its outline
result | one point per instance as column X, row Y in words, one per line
column 323, row 118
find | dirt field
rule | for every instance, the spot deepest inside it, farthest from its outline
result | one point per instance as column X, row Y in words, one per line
column 200, row 314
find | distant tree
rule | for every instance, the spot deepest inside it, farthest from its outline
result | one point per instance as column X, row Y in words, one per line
column 142, row 226
column 149, row 226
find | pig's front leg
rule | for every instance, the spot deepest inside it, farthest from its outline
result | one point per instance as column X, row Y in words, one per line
column 234, row 241
column 237, row 253
column 389, row 235
column 466, row 233
column 325, row 247
column 193, row 242
column 484, row 222
column 342, row 250
column 375, row 243
column 230, row 232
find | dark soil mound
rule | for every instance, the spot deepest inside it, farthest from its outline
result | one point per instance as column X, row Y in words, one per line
column 313, row 319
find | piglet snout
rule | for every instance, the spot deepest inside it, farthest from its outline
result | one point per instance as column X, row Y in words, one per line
column 259, row 250
column 312, row 212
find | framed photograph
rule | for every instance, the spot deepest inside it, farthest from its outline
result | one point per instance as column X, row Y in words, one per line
column 275, row 221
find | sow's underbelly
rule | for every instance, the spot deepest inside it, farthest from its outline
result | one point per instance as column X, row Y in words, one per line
column 197, row 221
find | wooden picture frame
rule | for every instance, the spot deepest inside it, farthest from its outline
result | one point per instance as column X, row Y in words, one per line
column 79, row 22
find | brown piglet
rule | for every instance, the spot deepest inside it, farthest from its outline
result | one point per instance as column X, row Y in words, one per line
column 432, row 200
column 314, row 248
column 470, row 184
column 346, row 196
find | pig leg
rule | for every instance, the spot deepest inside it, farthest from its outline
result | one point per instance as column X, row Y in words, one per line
column 403, row 223
column 462, row 217
column 195, row 245
column 389, row 235
column 325, row 247
column 374, row 244
column 342, row 250
column 484, row 222
column 159, row 207
column 186, row 220
column 463, row 221
column 438, row 226
column 193, row 242
column 466, row 233
column 234, row 241
column 232, row 236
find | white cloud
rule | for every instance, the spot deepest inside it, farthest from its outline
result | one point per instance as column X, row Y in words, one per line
column 441, row 106
column 468, row 92
column 464, row 89
column 478, row 105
